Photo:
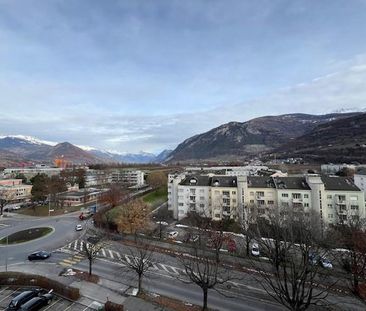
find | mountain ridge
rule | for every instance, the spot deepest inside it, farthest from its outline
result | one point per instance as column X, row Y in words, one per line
column 243, row 140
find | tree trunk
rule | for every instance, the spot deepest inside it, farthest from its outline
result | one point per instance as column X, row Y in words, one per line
column 140, row 282
column 90, row 267
column 205, row 294
column 247, row 241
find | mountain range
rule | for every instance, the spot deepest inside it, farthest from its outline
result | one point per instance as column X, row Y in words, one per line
column 262, row 137
column 335, row 137
column 19, row 149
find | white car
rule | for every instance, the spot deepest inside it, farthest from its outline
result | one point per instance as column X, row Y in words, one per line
column 255, row 250
column 325, row 263
column 79, row 227
column 172, row 234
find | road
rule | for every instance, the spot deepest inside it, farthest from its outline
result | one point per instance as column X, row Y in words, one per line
column 64, row 232
column 246, row 292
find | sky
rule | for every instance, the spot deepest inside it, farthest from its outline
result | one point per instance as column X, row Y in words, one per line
column 145, row 75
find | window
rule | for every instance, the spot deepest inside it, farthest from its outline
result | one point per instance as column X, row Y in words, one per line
column 306, row 204
column 202, row 198
column 226, row 193
column 330, row 205
column 261, row 202
column 296, row 195
column 284, row 204
column 260, row 193
column 251, row 193
column 217, row 215
column 354, row 207
column 180, row 204
column 252, row 201
column 330, row 215
column 329, row 196
column 233, row 192
column 192, row 198
column 234, row 201
column 202, row 205
column 226, row 201
column 306, row 196
column 285, row 195
column 270, row 202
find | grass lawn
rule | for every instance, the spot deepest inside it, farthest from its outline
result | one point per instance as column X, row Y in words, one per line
column 43, row 210
column 156, row 198
column 26, row 235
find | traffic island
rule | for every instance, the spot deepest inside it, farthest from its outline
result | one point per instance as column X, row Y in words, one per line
column 26, row 235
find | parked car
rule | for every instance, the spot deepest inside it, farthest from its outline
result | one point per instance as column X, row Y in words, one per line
column 79, row 227
column 173, row 234
column 21, row 299
column 37, row 303
column 314, row 259
column 255, row 249
column 39, row 255
column 325, row 263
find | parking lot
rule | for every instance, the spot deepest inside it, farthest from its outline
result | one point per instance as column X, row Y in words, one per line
column 57, row 304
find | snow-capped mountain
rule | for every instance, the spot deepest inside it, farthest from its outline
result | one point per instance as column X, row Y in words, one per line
column 34, row 149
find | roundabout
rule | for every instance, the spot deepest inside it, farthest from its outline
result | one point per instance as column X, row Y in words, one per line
column 26, row 235
column 22, row 235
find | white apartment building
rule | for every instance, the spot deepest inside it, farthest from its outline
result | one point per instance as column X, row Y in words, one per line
column 248, row 170
column 360, row 179
column 130, row 177
column 334, row 199
column 95, row 178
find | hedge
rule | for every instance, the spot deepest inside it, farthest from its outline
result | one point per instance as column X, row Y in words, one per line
column 111, row 306
column 22, row 279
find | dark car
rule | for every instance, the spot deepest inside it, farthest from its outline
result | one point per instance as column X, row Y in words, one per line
column 22, row 298
column 37, row 303
column 40, row 255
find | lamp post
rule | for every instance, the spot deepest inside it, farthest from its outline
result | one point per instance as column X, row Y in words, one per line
column 6, row 255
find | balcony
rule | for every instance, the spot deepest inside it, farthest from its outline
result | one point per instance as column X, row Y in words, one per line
column 296, row 200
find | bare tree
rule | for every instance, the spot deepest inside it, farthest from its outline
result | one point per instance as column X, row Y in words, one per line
column 202, row 268
column 93, row 242
column 6, row 196
column 138, row 260
column 351, row 235
column 287, row 238
column 157, row 179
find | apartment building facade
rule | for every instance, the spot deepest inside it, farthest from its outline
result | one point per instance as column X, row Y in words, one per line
column 360, row 179
column 333, row 199
column 129, row 177
column 14, row 190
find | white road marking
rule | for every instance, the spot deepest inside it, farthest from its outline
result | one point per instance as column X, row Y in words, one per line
column 9, row 295
column 52, row 304
column 76, row 245
column 69, row 306
column 111, row 254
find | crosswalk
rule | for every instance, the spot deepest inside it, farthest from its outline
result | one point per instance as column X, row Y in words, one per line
column 75, row 249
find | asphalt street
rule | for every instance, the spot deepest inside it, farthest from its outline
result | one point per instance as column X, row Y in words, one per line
column 64, row 232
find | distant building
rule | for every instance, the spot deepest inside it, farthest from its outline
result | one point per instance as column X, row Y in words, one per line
column 30, row 172
column 248, row 170
column 76, row 198
column 97, row 178
column 128, row 177
column 334, row 168
column 14, row 190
